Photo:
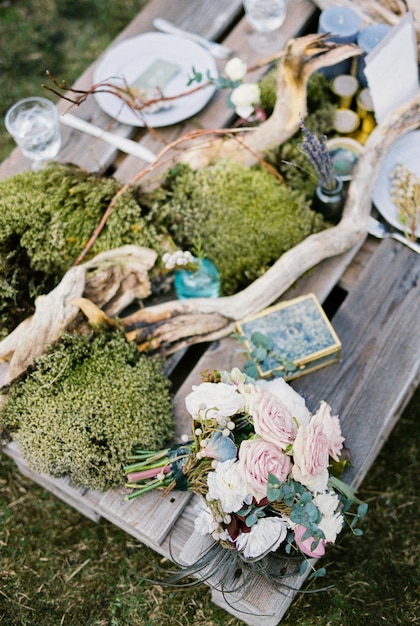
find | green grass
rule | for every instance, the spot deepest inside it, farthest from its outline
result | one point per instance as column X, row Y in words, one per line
column 62, row 36
column 58, row 568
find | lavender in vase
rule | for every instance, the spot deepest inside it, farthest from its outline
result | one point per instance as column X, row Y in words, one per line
column 329, row 195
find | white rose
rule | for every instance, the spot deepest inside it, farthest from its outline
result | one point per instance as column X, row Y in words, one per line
column 244, row 98
column 236, row 69
column 213, row 400
column 265, row 536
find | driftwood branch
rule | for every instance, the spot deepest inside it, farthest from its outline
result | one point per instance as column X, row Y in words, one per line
column 167, row 326
column 302, row 57
column 112, row 280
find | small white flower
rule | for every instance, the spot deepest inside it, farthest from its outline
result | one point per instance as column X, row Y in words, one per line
column 331, row 526
column 327, row 503
column 204, row 523
column 265, row 536
column 179, row 258
column 236, row 69
column 244, row 98
column 185, row 438
column 226, row 484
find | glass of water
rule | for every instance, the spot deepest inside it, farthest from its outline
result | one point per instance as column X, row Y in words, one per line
column 265, row 17
column 34, row 125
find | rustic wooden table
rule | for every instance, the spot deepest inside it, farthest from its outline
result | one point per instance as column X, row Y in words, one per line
column 378, row 320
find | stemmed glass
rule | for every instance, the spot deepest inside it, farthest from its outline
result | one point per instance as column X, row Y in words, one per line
column 265, row 17
column 34, row 125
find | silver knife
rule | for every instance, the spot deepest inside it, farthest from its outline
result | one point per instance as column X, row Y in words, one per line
column 125, row 145
column 216, row 49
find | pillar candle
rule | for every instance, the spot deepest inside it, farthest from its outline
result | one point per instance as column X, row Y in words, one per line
column 344, row 25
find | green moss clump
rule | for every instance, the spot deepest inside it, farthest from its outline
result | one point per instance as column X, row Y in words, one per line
column 244, row 217
column 46, row 219
column 83, row 406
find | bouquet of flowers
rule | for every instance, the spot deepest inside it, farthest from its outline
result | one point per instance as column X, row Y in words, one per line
column 267, row 470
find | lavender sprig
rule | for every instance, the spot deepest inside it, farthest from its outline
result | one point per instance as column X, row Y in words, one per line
column 317, row 152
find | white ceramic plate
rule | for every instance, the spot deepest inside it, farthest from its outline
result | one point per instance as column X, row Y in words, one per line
column 405, row 150
column 124, row 63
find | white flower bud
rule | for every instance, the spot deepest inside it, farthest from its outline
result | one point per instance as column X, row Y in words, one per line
column 236, row 69
column 244, row 98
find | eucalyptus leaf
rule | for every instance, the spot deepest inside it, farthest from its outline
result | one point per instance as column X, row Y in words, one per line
column 262, row 341
column 259, row 354
column 362, row 509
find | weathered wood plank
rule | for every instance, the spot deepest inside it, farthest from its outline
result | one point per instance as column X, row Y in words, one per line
column 59, row 487
column 149, row 518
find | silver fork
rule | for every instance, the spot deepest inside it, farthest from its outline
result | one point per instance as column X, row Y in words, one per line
column 377, row 229
column 216, row 49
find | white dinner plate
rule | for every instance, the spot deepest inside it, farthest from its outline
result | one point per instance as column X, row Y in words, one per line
column 124, row 63
column 405, row 150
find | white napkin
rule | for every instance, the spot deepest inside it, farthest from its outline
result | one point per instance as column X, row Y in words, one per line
column 392, row 69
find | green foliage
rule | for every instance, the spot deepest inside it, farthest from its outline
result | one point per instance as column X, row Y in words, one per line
column 46, row 218
column 245, row 217
column 84, row 404
column 262, row 348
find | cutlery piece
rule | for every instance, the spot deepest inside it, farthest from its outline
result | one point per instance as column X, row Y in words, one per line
column 377, row 229
column 125, row 145
column 216, row 49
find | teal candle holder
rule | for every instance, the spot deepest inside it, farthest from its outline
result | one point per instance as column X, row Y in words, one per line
column 201, row 283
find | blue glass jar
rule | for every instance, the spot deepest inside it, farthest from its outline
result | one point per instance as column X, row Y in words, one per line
column 201, row 283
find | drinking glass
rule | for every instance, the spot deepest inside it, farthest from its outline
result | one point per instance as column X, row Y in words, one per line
column 34, row 126
column 265, row 17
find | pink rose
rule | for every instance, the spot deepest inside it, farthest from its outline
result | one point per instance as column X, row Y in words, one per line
column 332, row 429
column 311, row 457
column 306, row 545
column 272, row 419
column 258, row 459
column 290, row 398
